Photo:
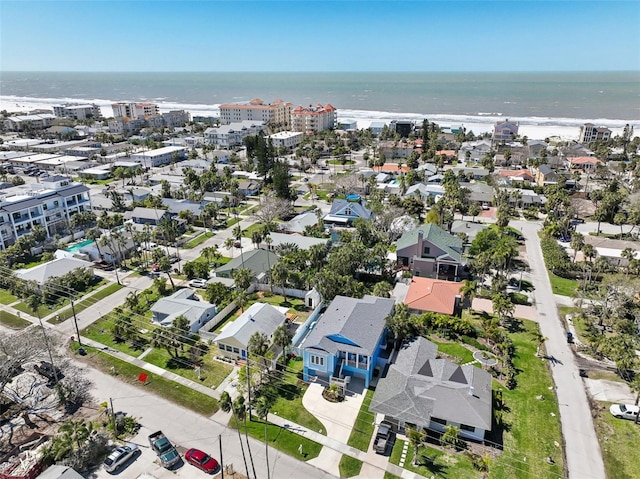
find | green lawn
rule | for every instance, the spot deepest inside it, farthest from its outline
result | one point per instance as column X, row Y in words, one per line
column 532, row 429
column 289, row 403
column 12, row 321
column 281, row 439
column 252, row 229
column 434, row 462
column 619, row 439
column 100, row 331
column 85, row 303
column 563, row 286
column 212, row 372
column 198, row 240
column 6, row 297
column 44, row 310
column 296, row 306
column 349, row 466
column 232, row 221
column 461, row 354
column 172, row 391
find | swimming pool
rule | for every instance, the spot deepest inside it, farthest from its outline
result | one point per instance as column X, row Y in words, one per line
column 76, row 247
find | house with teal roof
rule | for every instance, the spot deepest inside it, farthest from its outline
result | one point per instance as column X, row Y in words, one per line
column 431, row 252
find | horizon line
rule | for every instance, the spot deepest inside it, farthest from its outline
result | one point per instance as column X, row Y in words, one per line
column 319, row 71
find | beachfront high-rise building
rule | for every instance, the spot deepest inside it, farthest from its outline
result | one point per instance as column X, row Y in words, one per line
column 134, row 110
column 50, row 203
column 589, row 132
column 77, row 112
column 314, row 118
column 276, row 115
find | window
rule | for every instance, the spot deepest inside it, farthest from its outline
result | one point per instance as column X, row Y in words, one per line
column 316, row 360
column 438, row 420
column 347, row 211
column 426, row 250
column 464, row 427
column 236, row 350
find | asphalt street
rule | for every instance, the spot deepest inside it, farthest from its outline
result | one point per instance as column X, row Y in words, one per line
column 583, row 456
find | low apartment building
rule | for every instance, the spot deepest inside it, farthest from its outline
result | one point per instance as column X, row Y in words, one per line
column 277, row 113
column 589, row 132
column 134, row 110
column 232, row 134
column 314, row 118
column 160, row 156
column 50, row 203
column 288, row 139
column 77, row 112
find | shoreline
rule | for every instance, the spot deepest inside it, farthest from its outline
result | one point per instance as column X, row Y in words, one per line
column 535, row 128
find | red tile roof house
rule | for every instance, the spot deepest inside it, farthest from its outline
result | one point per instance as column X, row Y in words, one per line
column 524, row 175
column 586, row 163
column 434, row 295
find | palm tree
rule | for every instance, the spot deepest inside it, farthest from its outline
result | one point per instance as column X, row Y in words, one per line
column 280, row 275
column 629, row 254
column 469, row 291
column 76, row 432
column 240, row 410
column 242, row 277
column 228, row 243
column 282, row 338
column 577, row 243
column 263, row 406
column 539, row 340
column 259, row 345
column 227, row 406
column 240, row 298
column 415, row 438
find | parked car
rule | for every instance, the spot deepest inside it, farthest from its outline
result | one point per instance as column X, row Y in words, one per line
column 166, row 451
column 624, row 411
column 383, row 437
column 120, row 457
column 198, row 283
column 201, row 460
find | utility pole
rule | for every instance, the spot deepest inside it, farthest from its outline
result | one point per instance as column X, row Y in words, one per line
column 75, row 322
column 46, row 342
column 248, row 385
column 221, row 461
column 113, row 417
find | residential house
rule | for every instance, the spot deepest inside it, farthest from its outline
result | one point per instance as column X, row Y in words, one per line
column 299, row 223
column 345, row 211
column 299, row 241
column 430, row 393
column 515, row 176
column 505, row 130
column 425, row 191
column 392, row 168
column 480, row 193
column 434, row 295
column 472, row 173
column 148, row 216
column 258, row 261
column 233, row 340
column 347, row 340
column 58, row 472
column 394, row 149
column 52, row 269
column 183, row 302
column 546, row 176
column 611, row 249
column 376, row 127
column 521, row 198
column 429, row 251
column 467, row 230
column 585, row 163
column 249, row 188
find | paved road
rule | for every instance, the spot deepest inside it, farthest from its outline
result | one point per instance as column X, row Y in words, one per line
column 583, row 456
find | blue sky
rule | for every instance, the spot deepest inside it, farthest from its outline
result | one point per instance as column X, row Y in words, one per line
column 319, row 36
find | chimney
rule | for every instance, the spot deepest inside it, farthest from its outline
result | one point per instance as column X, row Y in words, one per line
column 420, row 237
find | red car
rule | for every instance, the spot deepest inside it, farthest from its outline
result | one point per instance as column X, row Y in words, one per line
column 201, row 460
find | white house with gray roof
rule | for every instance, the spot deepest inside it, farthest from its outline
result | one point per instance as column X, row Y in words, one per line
column 263, row 318
column 183, row 303
column 53, row 269
column 348, row 339
column 432, row 393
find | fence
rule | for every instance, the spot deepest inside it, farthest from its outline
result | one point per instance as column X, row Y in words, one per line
column 304, row 330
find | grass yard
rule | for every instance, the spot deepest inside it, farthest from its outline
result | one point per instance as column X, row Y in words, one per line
column 619, row 439
column 198, row 240
column 349, row 466
column 563, row 286
column 100, row 331
column 531, row 429
column 296, row 306
column 12, row 321
column 85, row 303
column 289, row 403
column 256, row 227
column 232, row 221
column 281, row 439
column 460, row 354
column 172, row 391
column 434, row 462
column 212, row 372
column 6, row 297
column 44, row 310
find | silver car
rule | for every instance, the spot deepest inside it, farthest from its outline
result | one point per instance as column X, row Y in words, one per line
column 624, row 411
column 119, row 457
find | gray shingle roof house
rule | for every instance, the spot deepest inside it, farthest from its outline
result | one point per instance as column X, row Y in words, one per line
column 257, row 260
column 433, row 393
column 183, row 302
column 258, row 318
column 57, row 267
column 345, row 212
column 298, row 223
column 431, row 252
column 147, row 216
column 302, row 242
column 348, row 338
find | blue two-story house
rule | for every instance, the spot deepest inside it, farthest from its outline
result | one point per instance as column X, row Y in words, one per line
column 345, row 211
column 348, row 339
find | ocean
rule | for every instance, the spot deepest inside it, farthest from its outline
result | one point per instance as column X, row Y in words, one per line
column 537, row 99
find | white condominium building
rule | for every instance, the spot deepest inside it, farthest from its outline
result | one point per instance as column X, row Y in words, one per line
column 134, row 110
column 50, row 203
column 589, row 132
column 233, row 134
column 77, row 112
column 289, row 139
column 277, row 113
column 314, row 118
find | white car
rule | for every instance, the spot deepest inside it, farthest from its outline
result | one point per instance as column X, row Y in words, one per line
column 624, row 411
column 119, row 457
column 198, row 283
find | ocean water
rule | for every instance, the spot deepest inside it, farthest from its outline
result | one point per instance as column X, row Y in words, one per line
column 566, row 98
